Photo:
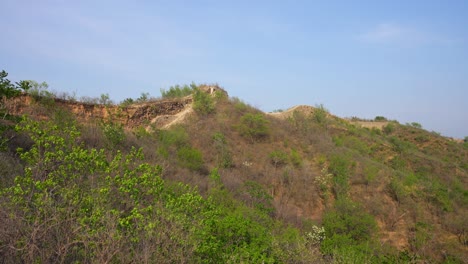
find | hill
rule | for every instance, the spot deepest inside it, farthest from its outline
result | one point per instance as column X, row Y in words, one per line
column 99, row 182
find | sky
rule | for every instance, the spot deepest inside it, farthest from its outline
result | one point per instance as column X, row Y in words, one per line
column 405, row 60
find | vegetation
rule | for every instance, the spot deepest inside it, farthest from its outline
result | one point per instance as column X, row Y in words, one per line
column 253, row 126
column 348, row 228
column 230, row 184
column 8, row 89
column 320, row 114
column 178, row 91
column 202, row 102
column 125, row 211
column 278, row 158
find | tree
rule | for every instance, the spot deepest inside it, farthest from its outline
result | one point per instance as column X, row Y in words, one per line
column 8, row 89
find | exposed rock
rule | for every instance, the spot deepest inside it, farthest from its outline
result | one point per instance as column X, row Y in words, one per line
column 131, row 116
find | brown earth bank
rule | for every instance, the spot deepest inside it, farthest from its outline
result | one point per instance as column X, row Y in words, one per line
column 131, row 116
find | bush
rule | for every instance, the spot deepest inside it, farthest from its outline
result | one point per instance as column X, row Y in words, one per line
column 178, row 91
column 400, row 146
column 239, row 105
column 389, row 128
column 176, row 136
column 457, row 223
column 296, row 158
column 259, row 198
column 203, row 102
column 114, row 134
column 144, row 97
column 320, row 114
column 278, row 158
column 127, row 102
column 105, row 100
column 380, row 118
column 254, row 126
column 347, row 224
column 416, row 125
column 224, row 157
column 190, row 158
column 397, row 190
column 339, row 167
column 40, row 92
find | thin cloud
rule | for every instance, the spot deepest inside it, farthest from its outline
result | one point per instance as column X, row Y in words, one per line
column 393, row 33
column 390, row 32
column 122, row 45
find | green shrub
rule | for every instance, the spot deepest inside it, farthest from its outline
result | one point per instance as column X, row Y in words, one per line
column 416, row 125
column 127, row 102
column 278, row 158
column 220, row 96
column 141, row 132
column 370, row 173
column 338, row 140
column 389, row 128
column 457, row 224
column 422, row 234
column 320, row 114
column 114, row 134
column 239, row 105
column 397, row 190
column 380, row 118
column 171, row 140
column 203, row 102
column 400, row 146
column 104, row 99
column 339, row 167
column 295, row 158
column 177, row 136
column 190, row 158
column 347, row 224
column 178, row 91
column 422, row 138
column 440, row 196
column 223, row 157
column 398, row 163
column 352, row 142
column 144, row 97
column 254, row 126
column 40, row 92
column 259, row 197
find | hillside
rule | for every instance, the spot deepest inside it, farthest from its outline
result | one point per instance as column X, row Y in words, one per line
column 200, row 177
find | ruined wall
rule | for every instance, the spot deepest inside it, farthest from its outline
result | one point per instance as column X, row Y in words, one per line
column 131, row 116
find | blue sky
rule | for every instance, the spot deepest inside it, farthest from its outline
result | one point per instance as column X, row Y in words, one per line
column 405, row 60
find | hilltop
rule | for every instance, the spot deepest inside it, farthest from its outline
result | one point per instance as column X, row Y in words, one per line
column 233, row 184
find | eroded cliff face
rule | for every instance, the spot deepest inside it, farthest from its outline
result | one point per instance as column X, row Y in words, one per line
column 130, row 116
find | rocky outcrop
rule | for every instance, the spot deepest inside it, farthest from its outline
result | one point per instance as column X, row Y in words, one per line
column 130, row 116
column 159, row 113
column 148, row 111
